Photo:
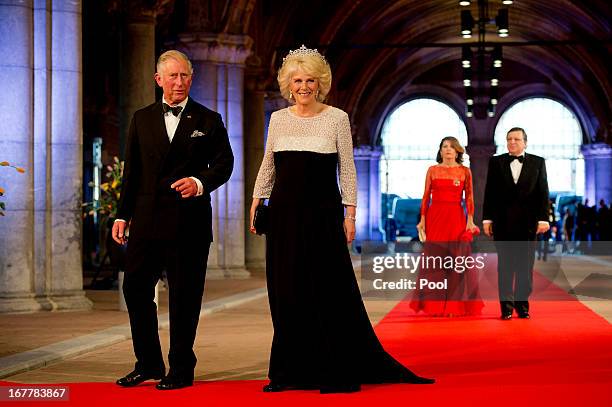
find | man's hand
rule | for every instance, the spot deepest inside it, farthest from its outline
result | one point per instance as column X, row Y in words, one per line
column 118, row 232
column 542, row 228
column 488, row 228
column 186, row 187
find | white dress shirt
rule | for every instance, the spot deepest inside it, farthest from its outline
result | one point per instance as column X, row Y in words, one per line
column 171, row 120
column 515, row 167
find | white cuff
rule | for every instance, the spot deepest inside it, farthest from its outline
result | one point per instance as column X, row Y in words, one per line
column 120, row 220
column 543, row 222
column 484, row 222
column 200, row 186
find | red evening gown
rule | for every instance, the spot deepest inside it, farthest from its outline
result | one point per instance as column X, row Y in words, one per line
column 445, row 221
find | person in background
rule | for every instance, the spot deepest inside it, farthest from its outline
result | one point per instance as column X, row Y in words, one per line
column 515, row 211
column 569, row 223
column 445, row 223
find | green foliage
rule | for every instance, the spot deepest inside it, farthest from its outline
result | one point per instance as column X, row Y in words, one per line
column 110, row 192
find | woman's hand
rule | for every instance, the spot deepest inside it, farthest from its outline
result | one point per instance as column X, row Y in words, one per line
column 349, row 223
column 421, row 224
column 470, row 226
column 254, row 205
column 349, row 230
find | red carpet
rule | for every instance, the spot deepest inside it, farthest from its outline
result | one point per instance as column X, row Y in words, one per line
column 561, row 357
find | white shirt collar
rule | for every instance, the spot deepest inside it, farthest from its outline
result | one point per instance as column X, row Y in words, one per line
column 182, row 104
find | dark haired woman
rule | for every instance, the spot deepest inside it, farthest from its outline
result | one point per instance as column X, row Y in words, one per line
column 448, row 227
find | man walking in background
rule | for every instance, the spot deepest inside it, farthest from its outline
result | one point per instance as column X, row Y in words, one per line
column 515, row 211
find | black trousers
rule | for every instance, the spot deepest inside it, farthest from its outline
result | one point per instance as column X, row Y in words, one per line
column 515, row 261
column 185, row 266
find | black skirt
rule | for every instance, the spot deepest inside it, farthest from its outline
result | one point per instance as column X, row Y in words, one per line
column 322, row 334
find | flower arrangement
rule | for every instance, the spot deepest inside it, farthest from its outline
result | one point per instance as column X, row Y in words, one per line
column 19, row 170
column 108, row 204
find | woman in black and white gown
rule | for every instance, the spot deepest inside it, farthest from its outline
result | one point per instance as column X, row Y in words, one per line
column 323, row 338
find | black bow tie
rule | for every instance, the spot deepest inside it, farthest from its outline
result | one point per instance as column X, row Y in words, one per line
column 520, row 158
column 176, row 110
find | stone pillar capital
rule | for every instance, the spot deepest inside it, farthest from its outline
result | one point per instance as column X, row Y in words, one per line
column 139, row 11
column 255, row 79
column 596, row 150
column 216, row 48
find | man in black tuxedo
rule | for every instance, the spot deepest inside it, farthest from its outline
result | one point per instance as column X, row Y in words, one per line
column 515, row 211
column 177, row 153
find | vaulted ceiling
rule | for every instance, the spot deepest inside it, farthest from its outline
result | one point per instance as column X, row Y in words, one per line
column 383, row 52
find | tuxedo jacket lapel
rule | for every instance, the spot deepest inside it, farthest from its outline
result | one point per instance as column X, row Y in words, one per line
column 506, row 171
column 186, row 125
column 160, row 135
column 526, row 171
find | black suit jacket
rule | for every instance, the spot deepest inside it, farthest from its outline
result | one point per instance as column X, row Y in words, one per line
column 200, row 148
column 515, row 209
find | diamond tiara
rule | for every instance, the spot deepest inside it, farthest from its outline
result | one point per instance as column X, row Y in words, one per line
column 303, row 51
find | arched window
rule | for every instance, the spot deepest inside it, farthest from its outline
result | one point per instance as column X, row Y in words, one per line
column 553, row 132
column 411, row 137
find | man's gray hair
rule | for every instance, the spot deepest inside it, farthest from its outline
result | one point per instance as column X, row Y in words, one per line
column 173, row 54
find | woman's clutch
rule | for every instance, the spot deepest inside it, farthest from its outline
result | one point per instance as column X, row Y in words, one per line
column 262, row 219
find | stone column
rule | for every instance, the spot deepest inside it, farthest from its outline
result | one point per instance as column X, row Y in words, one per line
column 40, row 238
column 16, row 142
column 218, row 83
column 65, row 277
column 254, row 117
column 597, row 172
column 479, row 164
column 42, row 149
column 367, row 159
column 137, row 63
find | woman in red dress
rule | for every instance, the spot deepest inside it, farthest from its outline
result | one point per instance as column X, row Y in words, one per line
column 448, row 232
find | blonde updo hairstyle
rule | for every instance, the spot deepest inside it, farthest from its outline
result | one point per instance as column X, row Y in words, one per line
column 310, row 64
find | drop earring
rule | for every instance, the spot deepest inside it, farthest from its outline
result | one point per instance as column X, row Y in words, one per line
column 290, row 95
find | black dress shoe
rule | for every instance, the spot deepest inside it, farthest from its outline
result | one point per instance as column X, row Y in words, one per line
column 506, row 316
column 173, row 383
column 135, row 378
column 343, row 388
column 273, row 387
column 523, row 315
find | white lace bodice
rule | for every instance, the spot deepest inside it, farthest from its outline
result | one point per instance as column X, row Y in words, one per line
column 327, row 132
